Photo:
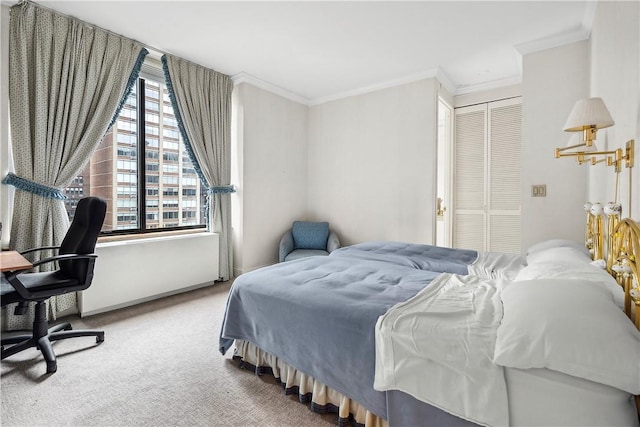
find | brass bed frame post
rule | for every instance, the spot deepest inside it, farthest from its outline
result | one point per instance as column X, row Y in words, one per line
column 612, row 210
column 597, row 227
column 588, row 228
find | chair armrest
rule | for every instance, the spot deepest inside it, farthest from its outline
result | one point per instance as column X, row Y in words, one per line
column 286, row 246
column 44, row 248
column 12, row 276
column 64, row 257
column 333, row 242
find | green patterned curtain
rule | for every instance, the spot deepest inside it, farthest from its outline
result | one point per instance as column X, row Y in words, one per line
column 67, row 80
column 202, row 104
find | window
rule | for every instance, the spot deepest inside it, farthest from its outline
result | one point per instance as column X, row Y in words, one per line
column 170, row 145
column 153, row 106
column 170, row 168
column 126, row 139
column 189, row 181
column 143, row 184
column 170, row 121
column 127, row 164
column 127, row 152
column 151, row 118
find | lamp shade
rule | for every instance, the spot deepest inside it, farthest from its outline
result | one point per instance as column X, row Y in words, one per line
column 587, row 113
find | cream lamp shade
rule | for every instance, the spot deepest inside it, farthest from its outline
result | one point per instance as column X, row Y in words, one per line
column 587, row 113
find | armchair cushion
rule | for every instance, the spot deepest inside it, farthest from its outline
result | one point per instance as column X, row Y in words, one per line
column 310, row 235
column 303, row 253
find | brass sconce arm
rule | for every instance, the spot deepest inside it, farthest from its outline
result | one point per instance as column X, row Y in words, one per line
column 612, row 158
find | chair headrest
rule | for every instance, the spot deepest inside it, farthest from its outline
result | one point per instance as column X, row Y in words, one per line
column 82, row 236
column 310, row 235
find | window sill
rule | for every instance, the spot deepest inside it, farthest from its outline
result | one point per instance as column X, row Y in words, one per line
column 128, row 237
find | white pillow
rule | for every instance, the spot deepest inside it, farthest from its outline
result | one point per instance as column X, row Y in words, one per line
column 556, row 243
column 589, row 274
column 562, row 255
column 566, row 326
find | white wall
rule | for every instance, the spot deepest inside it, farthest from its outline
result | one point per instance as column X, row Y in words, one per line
column 271, row 148
column 615, row 77
column 372, row 164
column 553, row 80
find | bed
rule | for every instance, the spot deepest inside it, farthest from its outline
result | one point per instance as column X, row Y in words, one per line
column 361, row 333
column 489, row 265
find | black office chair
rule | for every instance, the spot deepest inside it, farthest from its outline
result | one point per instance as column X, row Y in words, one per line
column 76, row 261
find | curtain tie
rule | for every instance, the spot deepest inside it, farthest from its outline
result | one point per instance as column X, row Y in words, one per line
column 33, row 187
column 221, row 189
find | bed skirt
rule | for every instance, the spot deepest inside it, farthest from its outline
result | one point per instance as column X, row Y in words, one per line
column 321, row 398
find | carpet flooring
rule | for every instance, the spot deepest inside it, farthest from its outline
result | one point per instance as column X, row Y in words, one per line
column 159, row 366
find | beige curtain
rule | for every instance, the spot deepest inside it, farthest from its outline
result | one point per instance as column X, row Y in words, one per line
column 202, row 103
column 67, row 80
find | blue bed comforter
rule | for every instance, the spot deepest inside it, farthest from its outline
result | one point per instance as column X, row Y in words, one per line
column 414, row 255
column 319, row 314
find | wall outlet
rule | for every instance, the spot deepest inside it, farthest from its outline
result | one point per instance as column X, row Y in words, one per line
column 539, row 190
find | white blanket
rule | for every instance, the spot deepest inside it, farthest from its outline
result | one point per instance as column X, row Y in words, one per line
column 496, row 265
column 438, row 347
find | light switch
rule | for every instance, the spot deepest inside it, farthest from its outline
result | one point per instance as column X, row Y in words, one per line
column 539, row 190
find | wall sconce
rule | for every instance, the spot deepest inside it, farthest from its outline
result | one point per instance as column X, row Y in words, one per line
column 587, row 116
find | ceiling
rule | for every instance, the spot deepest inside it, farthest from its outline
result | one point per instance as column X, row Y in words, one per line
column 317, row 51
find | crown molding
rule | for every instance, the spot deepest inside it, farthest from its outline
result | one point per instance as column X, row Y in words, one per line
column 464, row 90
column 436, row 73
column 378, row 86
column 553, row 41
column 243, row 77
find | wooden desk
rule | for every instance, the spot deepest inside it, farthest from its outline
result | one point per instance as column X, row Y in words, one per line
column 12, row 260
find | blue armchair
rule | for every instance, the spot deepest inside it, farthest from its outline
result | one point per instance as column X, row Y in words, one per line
column 307, row 239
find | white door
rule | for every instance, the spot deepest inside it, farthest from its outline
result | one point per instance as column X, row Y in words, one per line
column 444, row 167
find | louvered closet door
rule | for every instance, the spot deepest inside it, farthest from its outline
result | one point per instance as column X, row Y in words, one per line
column 487, row 177
column 469, row 179
column 505, row 147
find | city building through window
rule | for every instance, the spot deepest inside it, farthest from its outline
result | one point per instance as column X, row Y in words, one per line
column 142, row 169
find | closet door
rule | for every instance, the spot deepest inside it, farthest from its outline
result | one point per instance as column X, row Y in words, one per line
column 470, row 171
column 487, row 176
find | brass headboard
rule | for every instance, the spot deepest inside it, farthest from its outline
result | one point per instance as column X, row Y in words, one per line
column 626, row 253
column 625, row 250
